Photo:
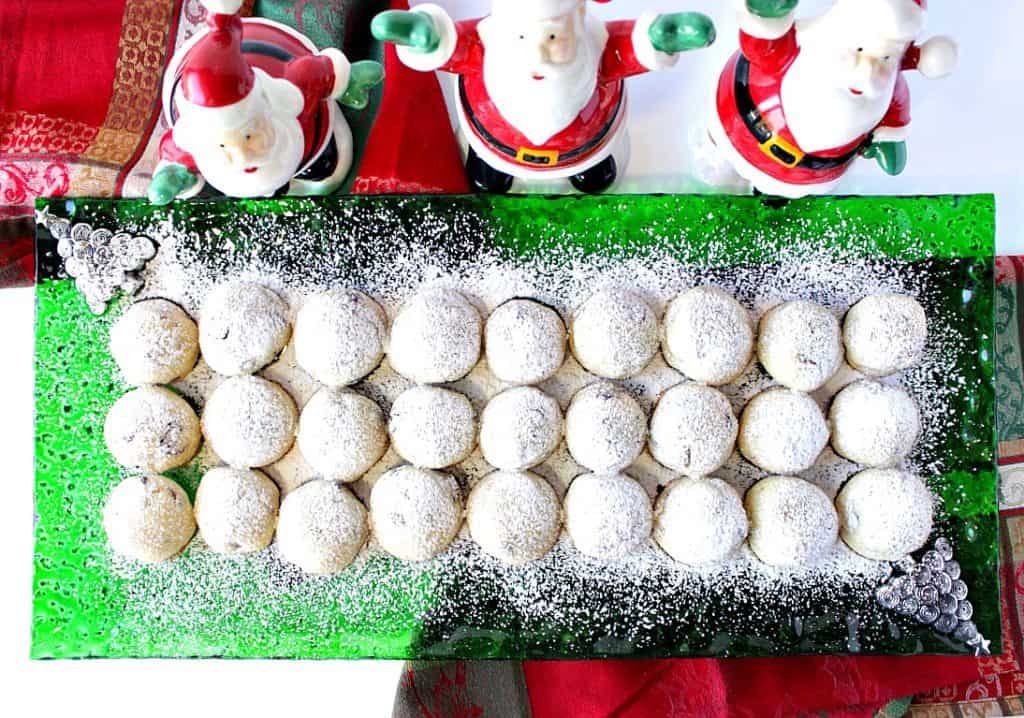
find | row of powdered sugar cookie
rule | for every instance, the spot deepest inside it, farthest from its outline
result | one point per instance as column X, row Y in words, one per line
column 251, row 422
column 342, row 335
column 516, row 517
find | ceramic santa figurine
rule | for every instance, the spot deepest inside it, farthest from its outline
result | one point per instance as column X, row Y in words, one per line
column 540, row 82
column 253, row 110
column 801, row 101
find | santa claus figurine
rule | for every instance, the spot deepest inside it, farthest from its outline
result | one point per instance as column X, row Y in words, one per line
column 540, row 92
column 253, row 110
column 801, row 101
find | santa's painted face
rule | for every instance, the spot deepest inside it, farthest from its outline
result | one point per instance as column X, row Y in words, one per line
column 869, row 69
column 856, row 61
column 542, row 73
column 252, row 159
column 841, row 84
column 548, row 45
column 248, row 147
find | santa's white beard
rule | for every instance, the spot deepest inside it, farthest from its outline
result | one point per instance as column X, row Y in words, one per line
column 272, row 174
column 540, row 109
column 821, row 114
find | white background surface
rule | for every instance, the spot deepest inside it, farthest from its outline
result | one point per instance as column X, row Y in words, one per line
column 966, row 138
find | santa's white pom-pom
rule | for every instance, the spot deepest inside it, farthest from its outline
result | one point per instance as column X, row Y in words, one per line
column 222, row 7
column 939, row 57
column 342, row 70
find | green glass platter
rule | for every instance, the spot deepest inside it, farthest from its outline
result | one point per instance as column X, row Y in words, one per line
column 88, row 604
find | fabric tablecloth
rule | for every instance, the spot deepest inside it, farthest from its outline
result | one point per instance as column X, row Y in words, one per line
column 82, row 118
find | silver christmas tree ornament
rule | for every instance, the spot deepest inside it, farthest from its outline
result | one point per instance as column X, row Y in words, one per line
column 100, row 261
column 931, row 591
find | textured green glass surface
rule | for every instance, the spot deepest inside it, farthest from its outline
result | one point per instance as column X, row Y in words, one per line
column 85, row 606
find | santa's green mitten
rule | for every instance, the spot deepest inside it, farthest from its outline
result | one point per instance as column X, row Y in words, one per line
column 891, row 156
column 415, row 30
column 772, row 8
column 169, row 182
column 365, row 76
column 678, row 32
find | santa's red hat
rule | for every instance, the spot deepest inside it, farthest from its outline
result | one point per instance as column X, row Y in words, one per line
column 217, row 82
column 536, row 9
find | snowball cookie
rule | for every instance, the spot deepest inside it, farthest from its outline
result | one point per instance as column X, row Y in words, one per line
column 236, row 510
column 242, row 328
column 605, row 428
column 874, row 424
column 708, row 336
column 342, row 434
column 148, row 518
column 415, row 513
column 520, row 428
column 321, row 528
column 152, row 429
column 800, row 345
column 154, row 342
column 699, row 521
column 792, row 522
column 525, row 342
column 339, row 337
column 782, row 431
column 250, row 422
column 885, row 333
column 514, row 516
column 436, row 337
column 693, row 429
column 432, row 427
column 885, row 514
column 608, row 516
column 614, row 334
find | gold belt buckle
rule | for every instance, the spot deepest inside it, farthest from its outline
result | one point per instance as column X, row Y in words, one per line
column 550, row 157
column 783, row 152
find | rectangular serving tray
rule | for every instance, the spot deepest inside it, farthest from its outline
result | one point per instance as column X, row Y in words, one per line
column 87, row 603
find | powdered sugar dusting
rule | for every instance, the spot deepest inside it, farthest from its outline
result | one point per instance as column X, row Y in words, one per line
column 564, row 586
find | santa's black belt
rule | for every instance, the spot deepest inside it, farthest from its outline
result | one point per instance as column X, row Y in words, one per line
column 783, row 152
column 533, row 156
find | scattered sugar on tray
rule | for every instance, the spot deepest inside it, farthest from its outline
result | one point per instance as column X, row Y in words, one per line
column 563, row 279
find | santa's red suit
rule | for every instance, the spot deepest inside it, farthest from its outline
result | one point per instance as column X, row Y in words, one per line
column 217, row 72
column 752, row 83
column 749, row 124
column 586, row 142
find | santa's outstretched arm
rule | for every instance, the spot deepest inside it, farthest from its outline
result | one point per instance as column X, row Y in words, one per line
column 176, row 175
column 330, row 74
column 768, row 32
column 428, row 39
column 767, row 19
column 890, row 156
column 653, row 42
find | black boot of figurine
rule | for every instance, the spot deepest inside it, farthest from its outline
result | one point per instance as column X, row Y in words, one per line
column 598, row 178
column 485, row 178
